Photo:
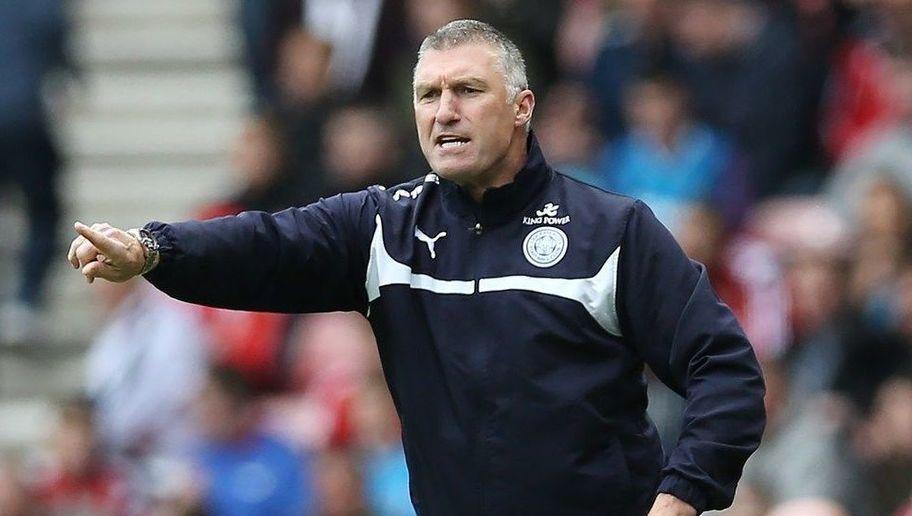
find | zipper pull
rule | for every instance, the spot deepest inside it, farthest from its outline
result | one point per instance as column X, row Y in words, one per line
column 478, row 229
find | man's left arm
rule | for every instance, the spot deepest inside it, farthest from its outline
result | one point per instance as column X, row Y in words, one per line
column 694, row 344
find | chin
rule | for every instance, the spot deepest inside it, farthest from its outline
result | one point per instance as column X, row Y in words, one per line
column 457, row 174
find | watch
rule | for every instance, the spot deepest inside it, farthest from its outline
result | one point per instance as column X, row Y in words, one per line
column 150, row 248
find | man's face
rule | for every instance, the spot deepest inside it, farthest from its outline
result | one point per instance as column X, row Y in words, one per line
column 465, row 124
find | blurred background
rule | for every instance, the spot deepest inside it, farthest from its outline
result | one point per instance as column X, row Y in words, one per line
column 774, row 138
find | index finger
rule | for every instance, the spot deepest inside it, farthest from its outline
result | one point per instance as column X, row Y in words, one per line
column 104, row 243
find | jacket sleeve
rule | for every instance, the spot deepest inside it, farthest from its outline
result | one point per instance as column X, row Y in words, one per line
column 691, row 340
column 310, row 259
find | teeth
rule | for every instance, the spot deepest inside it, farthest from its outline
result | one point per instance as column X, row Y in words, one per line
column 452, row 143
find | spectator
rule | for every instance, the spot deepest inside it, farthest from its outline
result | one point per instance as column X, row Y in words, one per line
column 579, row 36
column 303, row 107
column 142, row 372
column 746, row 274
column 885, row 154
column 364, row 35
column 263, row 25
column 669, row 159
column 813, row 243
column 565, row 127
column 14, row 500
column 726, row 50
column 245, row 471
column 824, row 30
column 340, row 486
column 636, row 40
column 532, row 25
column 884, row 442
column 330, row 355
column 254, row 342
column 358, row 150
column 77, row 479
column 379, row 442
column 32, row 46
column 883, row 236
column 802, row 460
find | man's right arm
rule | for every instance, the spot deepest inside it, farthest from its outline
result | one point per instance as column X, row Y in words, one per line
column 306, row 259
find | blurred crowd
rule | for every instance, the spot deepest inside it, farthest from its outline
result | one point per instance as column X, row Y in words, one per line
column 774, row 138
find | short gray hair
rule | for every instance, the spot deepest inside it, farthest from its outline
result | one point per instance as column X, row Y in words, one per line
column 462, row 32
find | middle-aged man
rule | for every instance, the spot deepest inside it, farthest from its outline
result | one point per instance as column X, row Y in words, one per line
column 514, row 308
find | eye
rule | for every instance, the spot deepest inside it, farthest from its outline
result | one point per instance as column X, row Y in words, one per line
column 468, row 90
column 429, row 95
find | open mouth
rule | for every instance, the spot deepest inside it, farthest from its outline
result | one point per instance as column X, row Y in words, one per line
column 451, row 141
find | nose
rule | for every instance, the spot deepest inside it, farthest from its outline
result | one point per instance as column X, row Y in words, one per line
column 447, row 109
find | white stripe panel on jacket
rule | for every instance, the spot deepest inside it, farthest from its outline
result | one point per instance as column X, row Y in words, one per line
column 383, row 270
column 597, row 294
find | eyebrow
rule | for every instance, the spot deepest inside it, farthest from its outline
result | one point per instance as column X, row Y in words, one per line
column 459, row 81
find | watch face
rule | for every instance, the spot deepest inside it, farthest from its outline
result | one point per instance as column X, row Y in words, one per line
column 147, row 240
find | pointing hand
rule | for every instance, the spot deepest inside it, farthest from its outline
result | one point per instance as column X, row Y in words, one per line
column 102, row 251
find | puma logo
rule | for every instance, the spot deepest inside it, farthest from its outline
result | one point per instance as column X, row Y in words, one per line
column 429, row 241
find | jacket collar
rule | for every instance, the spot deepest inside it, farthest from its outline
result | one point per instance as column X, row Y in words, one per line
column 500, row 205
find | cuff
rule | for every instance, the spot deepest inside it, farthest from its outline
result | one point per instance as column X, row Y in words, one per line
column 165, row 248
column 685, row 490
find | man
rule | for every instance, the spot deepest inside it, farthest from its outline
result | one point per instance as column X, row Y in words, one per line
column 514, row 308
column 33, row 42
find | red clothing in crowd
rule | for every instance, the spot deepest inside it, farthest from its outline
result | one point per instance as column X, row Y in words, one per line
column 856, row 99
column 250, row 342
column 101, row 491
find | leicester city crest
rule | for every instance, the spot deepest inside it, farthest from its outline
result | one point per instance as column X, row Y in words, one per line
column 545, row 246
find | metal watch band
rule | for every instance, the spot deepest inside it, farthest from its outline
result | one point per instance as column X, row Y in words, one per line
column 150, row 248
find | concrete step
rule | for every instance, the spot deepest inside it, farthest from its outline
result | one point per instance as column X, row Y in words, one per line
column 175, row 43
column 99, row 12
column 150, row 137
column 26, row 423
column 143, row 92
column 140, row 191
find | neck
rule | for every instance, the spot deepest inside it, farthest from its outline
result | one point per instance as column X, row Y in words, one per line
column 504, row 171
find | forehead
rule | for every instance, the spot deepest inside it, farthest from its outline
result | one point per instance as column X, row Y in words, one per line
column 475, row 60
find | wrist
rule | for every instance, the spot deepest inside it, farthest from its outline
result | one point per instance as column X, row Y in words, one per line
column 669, row 505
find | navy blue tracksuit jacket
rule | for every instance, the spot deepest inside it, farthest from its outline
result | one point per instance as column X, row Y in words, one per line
column 513, row 334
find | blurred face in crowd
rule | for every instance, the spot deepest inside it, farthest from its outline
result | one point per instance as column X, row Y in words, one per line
column 376, row 424
column 702, row 234
column 13, row 499
column 339, row 486
column 257, row 154
column 900, row 86
column 424, row 16
column 469, row 128
column 711, row 28
column 565, row 127
column 884, row 212
column 222, row 417
column 358, row 149
column 816, row 289
column 904, row 302
column 302, row 67
column 657, row 108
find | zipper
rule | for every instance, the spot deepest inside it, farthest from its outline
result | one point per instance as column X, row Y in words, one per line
column 477, row 230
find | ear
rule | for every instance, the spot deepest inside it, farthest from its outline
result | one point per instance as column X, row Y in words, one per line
column 523, row 107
